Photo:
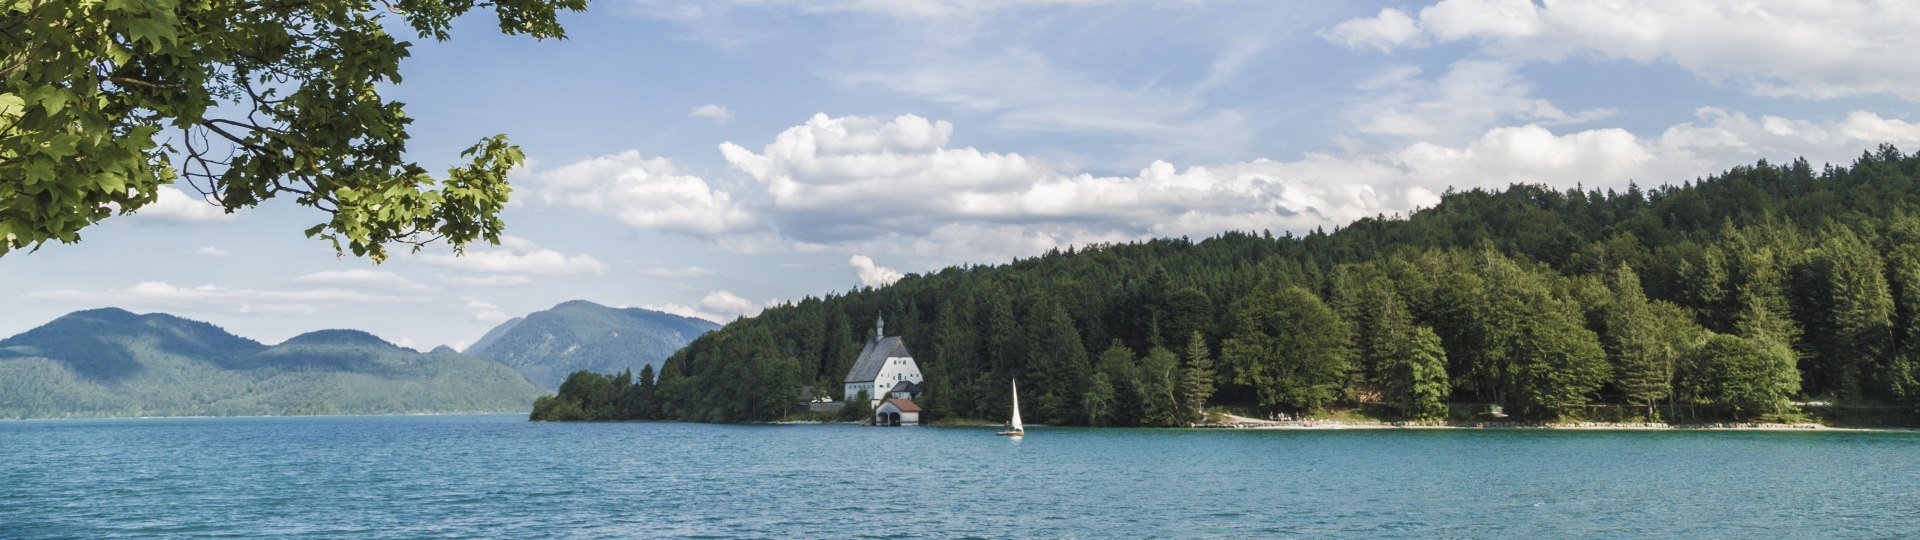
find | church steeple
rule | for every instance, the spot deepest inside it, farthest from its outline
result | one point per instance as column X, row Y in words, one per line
column 879, row 327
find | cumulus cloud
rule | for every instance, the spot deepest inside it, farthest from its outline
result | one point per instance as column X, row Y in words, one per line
column 177, row 206
column 717, row 306
column 361, row 278
column 900, row 189
column 646, row 193
column 873, row 275
column 163, row 296
column 1814, row 49
column 519, row 256
column 716, row 113
column 211, row 252
column 848, row 179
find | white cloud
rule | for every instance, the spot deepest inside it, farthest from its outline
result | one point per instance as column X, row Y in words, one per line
column 407, row 343
column 163, row 296
column 177, row 206
column 678, row 273
column 485, row 313
column 849, row 179
column 361, row 278
column 211, row 252
column 906, row 9
column 646, row 193
column 1469, row 98
column 873, row 275
column 1389, row 30
column 520, row 256
column 898, row 189
column 716, row 113
column 685, row 311
column 1811, row 48
column 718, row 306
column 496, row 280
column 1028, row 93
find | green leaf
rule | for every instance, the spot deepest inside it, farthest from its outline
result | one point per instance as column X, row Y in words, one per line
column 60, row 145
column 152, row 31
column 12, row 105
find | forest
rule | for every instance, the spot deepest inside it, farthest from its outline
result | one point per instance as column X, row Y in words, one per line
column 1733, row 297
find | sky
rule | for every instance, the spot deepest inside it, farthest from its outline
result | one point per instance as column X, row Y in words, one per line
column 714, row 158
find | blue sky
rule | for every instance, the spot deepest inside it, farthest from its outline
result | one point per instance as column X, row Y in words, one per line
column 712, row 158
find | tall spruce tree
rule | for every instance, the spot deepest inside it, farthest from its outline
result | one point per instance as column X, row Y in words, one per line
column 1196, row 379
column 1641, row 355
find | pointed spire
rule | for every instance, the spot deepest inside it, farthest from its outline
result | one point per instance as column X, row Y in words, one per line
column 879, row 327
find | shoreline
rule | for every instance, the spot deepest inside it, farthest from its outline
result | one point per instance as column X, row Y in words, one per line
column 169, row 417
column 1241, row 422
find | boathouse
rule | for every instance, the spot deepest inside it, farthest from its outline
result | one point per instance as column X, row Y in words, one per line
column 897, row 412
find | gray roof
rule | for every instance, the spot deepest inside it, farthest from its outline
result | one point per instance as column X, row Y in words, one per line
column 874, row 356
column 905, row 386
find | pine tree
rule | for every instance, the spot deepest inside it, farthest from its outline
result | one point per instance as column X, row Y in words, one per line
column 1858, row 316
column 1642, row 359
column 838, row 351
column 1904, row 374
column 1057, row 364
column 1196, row 380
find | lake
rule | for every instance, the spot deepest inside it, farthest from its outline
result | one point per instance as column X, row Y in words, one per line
column 500, row 476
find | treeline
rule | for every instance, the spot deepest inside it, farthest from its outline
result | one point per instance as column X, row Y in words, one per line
column 1727, row 297
column 592, row 397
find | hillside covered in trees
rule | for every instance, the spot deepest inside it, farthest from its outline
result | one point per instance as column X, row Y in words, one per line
column 110, row 362
column 580, row 335
column 1724, row 298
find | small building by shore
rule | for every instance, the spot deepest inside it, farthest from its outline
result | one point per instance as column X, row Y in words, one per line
column 897, row 412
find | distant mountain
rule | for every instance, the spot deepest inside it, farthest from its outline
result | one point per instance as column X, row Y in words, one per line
column 548, row 345
column 493, row 335
column 110, row 362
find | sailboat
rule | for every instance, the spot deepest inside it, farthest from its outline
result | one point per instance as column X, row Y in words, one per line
column 1016, row 429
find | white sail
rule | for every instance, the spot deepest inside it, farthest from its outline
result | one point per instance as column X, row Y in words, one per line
column 1016, row 407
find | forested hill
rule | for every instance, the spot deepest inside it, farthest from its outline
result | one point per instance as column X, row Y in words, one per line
column 580, row 335
column 109, row 362
column 1728, row 297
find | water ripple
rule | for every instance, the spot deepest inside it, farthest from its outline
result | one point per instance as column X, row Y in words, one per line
column 498, row 476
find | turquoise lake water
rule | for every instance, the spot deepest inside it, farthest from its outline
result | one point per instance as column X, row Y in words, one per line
column 499, row 476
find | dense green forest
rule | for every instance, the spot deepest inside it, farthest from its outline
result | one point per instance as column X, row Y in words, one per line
column 1724, row 298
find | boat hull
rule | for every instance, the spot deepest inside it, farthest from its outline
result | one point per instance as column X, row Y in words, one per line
column 1011, row 433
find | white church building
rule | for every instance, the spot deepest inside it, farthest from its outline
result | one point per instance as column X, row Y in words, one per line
column 884, row 367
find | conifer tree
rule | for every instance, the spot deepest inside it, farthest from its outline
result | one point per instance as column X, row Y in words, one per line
column 1641, row 356
column 1196, row 380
